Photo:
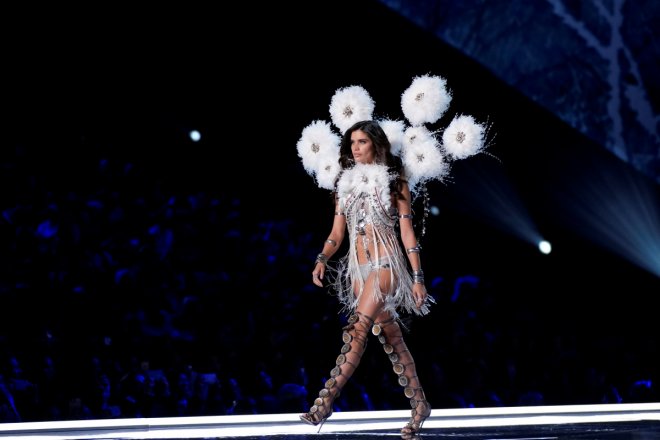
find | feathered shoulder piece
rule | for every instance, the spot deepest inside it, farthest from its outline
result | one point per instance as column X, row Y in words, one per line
column 365, row 178
column 426, row 154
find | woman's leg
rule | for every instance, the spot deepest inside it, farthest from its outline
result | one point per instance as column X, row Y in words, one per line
column 390, row 335
column 355, row 342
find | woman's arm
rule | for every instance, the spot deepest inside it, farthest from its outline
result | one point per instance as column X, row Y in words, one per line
column 411, row 246
column 330, row 246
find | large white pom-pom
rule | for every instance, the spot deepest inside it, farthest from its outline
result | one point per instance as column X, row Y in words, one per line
column 463, row 137
column 350, row 105
column 426, row 100
column 422, row 158
column 317, row 144
column 394, row 131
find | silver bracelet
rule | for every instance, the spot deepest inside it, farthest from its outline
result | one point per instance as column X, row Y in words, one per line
column 321, row 258
column 418, row 276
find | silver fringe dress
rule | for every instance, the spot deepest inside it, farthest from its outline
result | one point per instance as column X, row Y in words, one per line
column 364, row 198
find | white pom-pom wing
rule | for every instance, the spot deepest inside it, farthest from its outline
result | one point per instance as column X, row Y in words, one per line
column 463, row 137
column 350, row 105
column 394, row 130
column 426, row 100
column 422, row 158
column 317, row 145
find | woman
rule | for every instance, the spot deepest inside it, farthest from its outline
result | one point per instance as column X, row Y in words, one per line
column 373, row 280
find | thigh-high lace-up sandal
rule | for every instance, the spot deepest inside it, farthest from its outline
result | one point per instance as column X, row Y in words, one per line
column 390, row 336
column 355, row 342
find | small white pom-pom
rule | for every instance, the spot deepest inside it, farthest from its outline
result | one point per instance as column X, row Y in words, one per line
column 463, row 137
column 350, row 105
column 426, row 100
column 394, row 131
column 327, row 173
column 317, row 143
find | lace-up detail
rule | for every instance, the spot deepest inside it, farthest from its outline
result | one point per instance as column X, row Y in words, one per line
column 354, row 337
column 390, row 336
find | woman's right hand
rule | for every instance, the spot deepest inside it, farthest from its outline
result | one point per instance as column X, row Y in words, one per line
column 318, row 273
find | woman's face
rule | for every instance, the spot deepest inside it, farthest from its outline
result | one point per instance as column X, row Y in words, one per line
column 362, row 147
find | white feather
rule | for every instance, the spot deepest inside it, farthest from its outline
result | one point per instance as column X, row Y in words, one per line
column 463, row 137
column 417, row 134
column 350, row 105
column 327, row 173
column 426, row 100
column 394, row 131
column 365, row 178
column 422, row 158
column 317, row 144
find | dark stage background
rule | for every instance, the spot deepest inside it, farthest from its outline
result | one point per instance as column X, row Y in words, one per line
column 147, row 275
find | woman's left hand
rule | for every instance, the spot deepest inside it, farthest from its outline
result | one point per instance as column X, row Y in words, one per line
column 419, row 294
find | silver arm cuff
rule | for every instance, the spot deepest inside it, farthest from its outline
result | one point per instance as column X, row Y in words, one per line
column 417, row 249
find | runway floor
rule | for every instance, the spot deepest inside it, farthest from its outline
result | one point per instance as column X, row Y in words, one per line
column 584, row 422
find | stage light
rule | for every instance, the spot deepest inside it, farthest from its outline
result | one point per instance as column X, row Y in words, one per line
column 615, row 207
column 195, row 135
column 545, row 247
column 491, row 196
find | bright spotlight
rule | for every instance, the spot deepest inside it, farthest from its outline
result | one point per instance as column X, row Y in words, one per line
column 545, row 247
column 195, row 135
column 434, row 210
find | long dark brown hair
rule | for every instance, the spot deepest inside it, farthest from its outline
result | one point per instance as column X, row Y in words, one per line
column 383, row 154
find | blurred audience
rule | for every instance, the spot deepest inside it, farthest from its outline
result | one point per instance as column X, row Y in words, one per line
column 123, row 296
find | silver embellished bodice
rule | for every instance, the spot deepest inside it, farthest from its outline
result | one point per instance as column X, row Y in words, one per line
column 364, row 198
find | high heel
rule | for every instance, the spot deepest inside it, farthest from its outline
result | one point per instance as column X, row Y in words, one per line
column 309, row 419
column 355, row 341
column 420, row 412
column 321, row 410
